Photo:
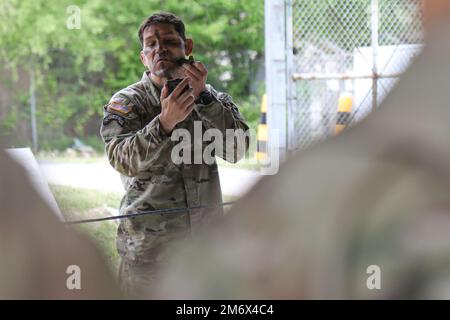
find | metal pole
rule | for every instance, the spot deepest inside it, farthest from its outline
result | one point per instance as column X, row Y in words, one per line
column 374, row 22
column 290, row 83
column 33, row 111
column 275, row 56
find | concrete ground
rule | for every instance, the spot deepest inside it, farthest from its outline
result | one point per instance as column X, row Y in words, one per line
column 101, row 176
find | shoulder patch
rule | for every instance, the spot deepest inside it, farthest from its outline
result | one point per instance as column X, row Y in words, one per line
column 113, row 117
column 120, row 106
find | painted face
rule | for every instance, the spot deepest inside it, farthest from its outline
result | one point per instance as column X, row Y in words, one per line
column 163, row 46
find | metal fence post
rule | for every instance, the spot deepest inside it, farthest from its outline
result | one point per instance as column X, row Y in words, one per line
column 34, row 136
column 276, row 75
column 374, row 40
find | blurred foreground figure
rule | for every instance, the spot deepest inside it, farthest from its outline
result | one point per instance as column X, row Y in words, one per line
column 367, row 209
column 36, row 250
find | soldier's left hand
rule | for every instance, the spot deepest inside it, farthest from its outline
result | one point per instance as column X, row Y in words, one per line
column 197, row 74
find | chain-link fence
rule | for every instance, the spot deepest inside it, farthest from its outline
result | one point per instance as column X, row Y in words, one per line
column 353, row 49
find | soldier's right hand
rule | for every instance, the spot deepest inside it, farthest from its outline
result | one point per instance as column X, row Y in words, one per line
column 175, row 107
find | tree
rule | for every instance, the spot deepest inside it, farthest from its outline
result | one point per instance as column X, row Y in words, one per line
column 77, row 70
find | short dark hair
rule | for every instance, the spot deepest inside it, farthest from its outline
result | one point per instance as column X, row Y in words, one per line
column 162, row 17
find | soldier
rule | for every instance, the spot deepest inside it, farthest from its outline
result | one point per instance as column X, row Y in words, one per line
column 363, row 215
column 140, row 129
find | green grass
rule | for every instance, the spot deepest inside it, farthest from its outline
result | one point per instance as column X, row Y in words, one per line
column 246, row 163
column 77, row 203
column 227, row 198
column 63, row 158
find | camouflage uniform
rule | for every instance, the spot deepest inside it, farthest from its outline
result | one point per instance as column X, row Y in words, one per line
column 139, row 149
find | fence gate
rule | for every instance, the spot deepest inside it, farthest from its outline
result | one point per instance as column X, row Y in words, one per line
column 344, row 54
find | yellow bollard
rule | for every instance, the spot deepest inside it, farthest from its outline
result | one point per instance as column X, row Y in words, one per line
column 262, row 135
column 344, row 112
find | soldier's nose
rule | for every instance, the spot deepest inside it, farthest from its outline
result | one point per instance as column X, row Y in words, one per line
column 161, row 48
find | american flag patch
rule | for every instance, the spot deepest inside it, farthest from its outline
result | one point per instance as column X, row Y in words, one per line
column 119, row 106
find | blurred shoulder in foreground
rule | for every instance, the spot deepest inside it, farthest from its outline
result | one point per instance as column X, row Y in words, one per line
column 373, row 199
column 36, row 250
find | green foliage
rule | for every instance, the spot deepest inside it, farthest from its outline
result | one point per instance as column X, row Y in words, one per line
column 9, row 122
column 95, row 142
column 251, row 110
column 77, row 70
column 60, row 143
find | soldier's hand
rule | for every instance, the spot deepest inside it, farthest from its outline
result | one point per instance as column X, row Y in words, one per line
column 197, row 73
column 175, row 107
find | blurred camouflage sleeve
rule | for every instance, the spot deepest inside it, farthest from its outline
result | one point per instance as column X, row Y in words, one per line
column 131, row 145
column 223, row 114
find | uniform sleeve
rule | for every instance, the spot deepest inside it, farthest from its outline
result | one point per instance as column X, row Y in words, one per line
column 223, row 114
column 131, row 146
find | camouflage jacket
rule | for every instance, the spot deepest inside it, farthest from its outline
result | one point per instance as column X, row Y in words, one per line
column 140, row 151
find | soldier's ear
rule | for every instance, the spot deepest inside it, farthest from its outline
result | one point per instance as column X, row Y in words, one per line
column 188, row 46
column 142, row 56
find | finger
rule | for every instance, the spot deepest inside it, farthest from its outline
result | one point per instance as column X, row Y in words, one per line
column 201, row 67
column 164, row 92
column 194, row 76
column 193, row 70
column 188, row 100
column 194, row 66
column 182, row 98
column 180, row 87
column 189, row 108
